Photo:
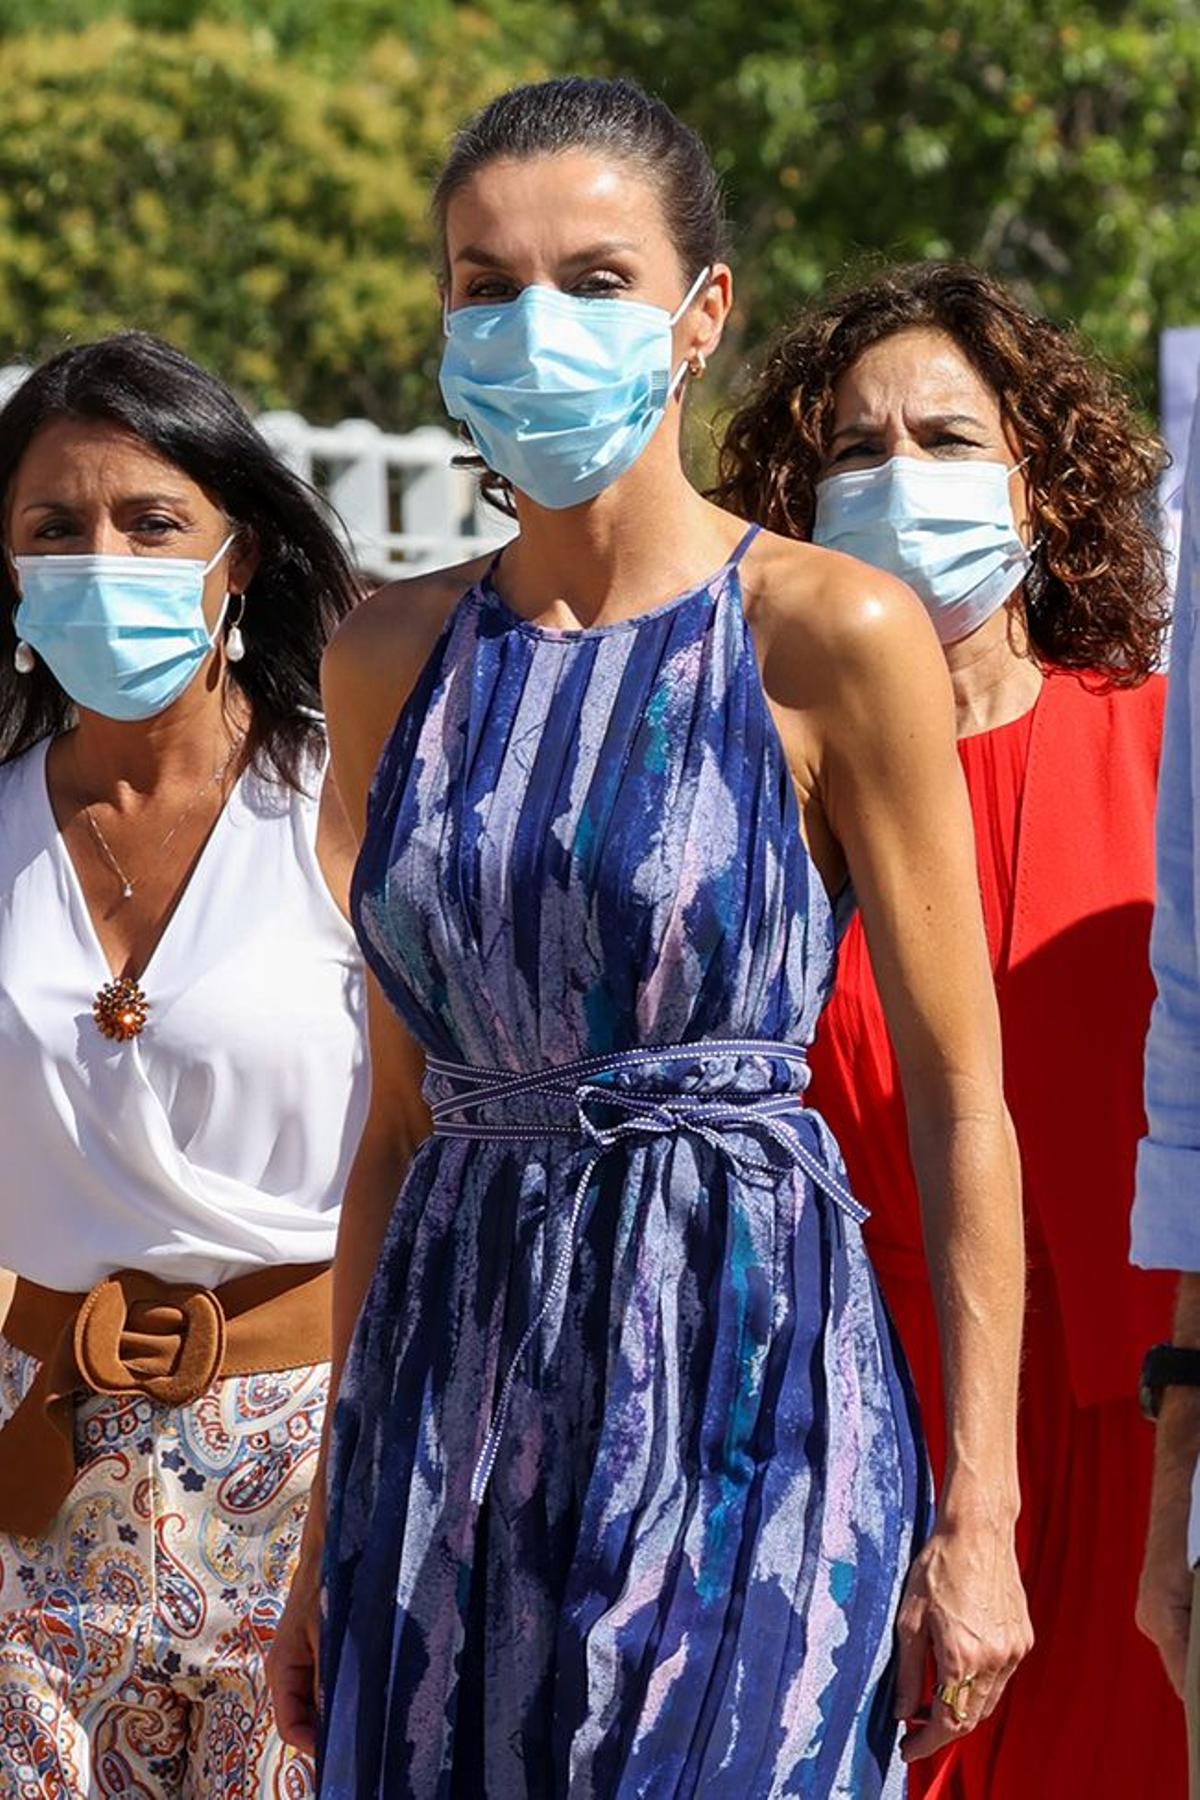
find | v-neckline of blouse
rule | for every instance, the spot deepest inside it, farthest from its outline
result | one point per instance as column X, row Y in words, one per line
column 61, row 851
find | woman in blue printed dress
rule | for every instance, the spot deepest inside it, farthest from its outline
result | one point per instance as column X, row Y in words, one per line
column 627, row 1495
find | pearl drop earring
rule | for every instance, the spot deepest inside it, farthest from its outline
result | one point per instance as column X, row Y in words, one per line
column 235, row 643
column 23, row 658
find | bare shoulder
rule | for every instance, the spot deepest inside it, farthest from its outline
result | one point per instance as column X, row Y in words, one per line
column 373, row 663
column 387, row 638
column 829, row 626
column 834, row 603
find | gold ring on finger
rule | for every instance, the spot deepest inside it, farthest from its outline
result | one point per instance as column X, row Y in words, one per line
column 950, row 1694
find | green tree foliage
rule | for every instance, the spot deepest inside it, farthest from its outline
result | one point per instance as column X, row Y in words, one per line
column 332, row 34
column 249, row 176
column 1055, row 141
column 269, row 219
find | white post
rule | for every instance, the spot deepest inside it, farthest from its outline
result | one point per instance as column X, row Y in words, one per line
column 288, row 435
column 358, row 489
column 11, row 377
column 436, row 497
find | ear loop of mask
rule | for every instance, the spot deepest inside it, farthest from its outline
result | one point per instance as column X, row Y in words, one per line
column 696, row 287
column 1032, row 548
column 212, row 562
column 209, row 566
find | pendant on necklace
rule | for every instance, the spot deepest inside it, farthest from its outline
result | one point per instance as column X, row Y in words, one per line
column 127, row 891
column 120, row 1009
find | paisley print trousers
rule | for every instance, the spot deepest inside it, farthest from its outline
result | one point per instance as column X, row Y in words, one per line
column 132, row 1634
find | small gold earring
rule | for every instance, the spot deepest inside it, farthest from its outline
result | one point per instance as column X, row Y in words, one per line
column 697, row 363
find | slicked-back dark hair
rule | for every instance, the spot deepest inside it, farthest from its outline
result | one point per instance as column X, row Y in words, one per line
column 302, row 586
column 613, row 118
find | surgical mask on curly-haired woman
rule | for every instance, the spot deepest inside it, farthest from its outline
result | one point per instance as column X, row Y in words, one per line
column 947, row 529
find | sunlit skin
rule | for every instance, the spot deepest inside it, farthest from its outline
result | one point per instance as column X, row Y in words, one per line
column 88, row 487
column 859, row 690
column 917, row 394
column 508, row 231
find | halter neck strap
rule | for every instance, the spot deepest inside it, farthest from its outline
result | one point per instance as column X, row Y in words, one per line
column 744, row 543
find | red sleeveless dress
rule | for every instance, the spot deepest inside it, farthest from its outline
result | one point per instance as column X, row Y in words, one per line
column 1062, row 801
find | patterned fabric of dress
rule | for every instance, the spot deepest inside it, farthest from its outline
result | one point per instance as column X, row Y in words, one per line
column 683, row 1577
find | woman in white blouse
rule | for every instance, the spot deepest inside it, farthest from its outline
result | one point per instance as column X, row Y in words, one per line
column 182, row 1071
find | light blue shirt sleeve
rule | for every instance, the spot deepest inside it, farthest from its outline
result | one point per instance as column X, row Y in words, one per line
column 1166, row 1212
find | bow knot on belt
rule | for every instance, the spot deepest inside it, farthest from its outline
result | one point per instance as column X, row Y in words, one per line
column 607, row 1115
column 649, row 1118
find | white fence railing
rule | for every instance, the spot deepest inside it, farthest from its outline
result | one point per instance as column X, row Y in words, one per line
column 403, row 503
column 400, row 497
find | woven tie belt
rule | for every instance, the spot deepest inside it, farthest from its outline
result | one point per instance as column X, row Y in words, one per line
column 641, row 1115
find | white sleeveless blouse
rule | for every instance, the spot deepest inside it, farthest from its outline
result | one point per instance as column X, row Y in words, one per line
column 219, row 1140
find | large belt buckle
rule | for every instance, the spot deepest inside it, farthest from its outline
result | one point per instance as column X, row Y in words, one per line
column 138, row 1335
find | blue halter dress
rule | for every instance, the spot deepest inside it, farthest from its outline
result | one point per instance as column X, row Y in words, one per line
column 626, row 1474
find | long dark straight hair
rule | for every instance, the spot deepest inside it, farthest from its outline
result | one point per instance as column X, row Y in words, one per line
column 304, row 582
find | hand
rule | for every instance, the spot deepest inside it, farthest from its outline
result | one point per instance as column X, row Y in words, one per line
column 964, row 1608
column 292, row 1659
column 1164, row 1605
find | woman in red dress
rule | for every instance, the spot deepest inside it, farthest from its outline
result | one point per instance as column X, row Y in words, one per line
column 928, row 424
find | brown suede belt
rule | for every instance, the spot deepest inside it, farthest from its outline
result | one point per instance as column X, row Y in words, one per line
column 134, row 1334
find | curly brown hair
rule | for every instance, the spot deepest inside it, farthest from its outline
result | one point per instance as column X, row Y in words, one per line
column 1096, row 597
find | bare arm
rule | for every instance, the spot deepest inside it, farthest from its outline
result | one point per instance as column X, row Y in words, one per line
column 361, row 707
column 871, row 734
column 368, row 673
column 1165, row 1595
column 396, row 1123
column 893, row 793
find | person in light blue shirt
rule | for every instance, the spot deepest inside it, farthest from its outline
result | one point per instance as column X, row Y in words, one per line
column 1166, row 1214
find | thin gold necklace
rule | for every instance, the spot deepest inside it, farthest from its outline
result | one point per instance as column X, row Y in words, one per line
column 120, row 1007
column 129, row 882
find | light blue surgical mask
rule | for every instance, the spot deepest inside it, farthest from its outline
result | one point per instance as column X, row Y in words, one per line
column 122, row 635
column 947, row 529
column 561, row 394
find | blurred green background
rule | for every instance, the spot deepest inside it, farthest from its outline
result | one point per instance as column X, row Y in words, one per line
column 249, row 177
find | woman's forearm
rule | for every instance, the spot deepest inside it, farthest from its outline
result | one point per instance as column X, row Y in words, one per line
column 371, row 1191
column 1177, row 1433
column 375, row 1180
column 968, row 1173
column 397, row 1123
